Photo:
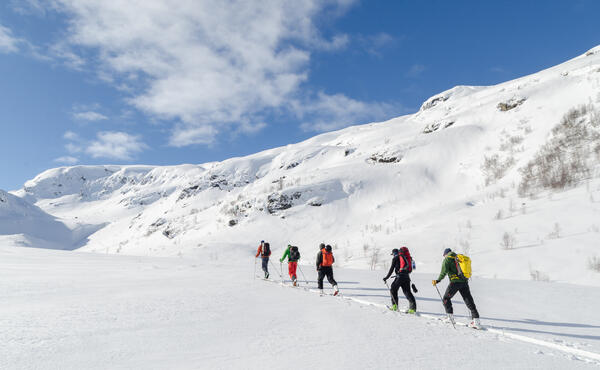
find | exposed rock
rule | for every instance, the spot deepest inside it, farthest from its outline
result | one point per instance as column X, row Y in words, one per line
column 433, row 101
column 232, row 222
column 384, row 158
column 279, row 202
column 436, row 125
column 510, row 104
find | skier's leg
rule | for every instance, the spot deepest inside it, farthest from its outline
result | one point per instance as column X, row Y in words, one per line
column 320, row 279
column 265, row 266
column 330, row 277
column 394, row 291
column 405, row 284
column 447, row 300
column 465, row 292
column 292, row 270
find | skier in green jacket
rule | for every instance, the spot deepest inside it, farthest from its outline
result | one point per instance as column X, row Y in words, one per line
column 457, row 284
column 293, row 255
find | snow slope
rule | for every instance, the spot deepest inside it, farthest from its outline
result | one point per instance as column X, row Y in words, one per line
column 419, row 180
column 74, row 310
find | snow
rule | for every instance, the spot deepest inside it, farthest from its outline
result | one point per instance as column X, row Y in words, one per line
column 74, row 310
column 170, row 283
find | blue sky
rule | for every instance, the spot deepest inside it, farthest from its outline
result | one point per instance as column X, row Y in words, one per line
column 149, row 82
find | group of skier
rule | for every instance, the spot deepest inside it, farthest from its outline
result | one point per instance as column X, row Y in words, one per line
column 457, row 267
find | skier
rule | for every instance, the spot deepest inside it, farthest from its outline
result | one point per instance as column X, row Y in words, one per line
column 402, row 265
column 325, row 262
column 293, row 255
column 264, row 251
column 457, row 284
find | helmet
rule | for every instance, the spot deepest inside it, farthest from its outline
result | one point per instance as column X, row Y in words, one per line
column 447, row 250
column 328, row 248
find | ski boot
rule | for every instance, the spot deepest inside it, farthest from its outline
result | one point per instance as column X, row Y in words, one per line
column 475, row 324
column 410, row 311
column 335, row 290
column 266, row 275
column 393, row 307
column 295, row 282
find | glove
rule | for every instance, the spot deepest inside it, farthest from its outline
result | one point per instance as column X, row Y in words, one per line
column 281, row 261
column 434, row 282
column 385, row 280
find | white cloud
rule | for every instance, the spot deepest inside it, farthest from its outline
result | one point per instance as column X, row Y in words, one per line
column 70, row 135
column 8, row 43
column 330, row 112
column 115, row 145
column 66, row 160
column 209, row 65
column 416, row 70
column 89, row 116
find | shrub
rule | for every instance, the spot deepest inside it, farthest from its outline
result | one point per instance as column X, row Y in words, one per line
column 565, row 159
column 508, row 241
column 594, row 263
column 495, row 168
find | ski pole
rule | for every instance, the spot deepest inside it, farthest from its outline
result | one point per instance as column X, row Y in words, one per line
column 255, row 267
column 393, row 300
column 274, row 268
column 302, row 272
column 442, row 299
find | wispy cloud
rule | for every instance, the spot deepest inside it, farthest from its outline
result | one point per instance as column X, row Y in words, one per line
column 90, row 116
column 67, row 160
column 106, row 144
column 8, row 43
column 376, row 44
column 330, row 112
column 115, row 145
column 208, row 66
column 416, row 70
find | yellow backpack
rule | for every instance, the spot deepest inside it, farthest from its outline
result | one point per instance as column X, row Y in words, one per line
column 463, row 265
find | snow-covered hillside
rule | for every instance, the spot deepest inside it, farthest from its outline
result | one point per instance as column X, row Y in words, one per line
column 468, row 171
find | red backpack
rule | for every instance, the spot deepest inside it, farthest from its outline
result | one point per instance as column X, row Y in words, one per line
column 405, row 260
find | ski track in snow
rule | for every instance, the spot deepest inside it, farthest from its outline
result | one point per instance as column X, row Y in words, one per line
column 72, row 310
column 563, row 348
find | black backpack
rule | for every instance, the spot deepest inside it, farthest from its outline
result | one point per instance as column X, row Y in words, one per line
column 266, row 250
column 294, row 253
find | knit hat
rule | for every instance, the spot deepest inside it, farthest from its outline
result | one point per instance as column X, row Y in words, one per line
column 395, row 252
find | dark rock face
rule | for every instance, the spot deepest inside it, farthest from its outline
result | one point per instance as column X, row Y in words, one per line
column 232, row 222
column 280, row 202
column 384, row 158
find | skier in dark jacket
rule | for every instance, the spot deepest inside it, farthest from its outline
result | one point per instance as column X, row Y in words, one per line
column 264, row 251
column 457, row 284
column 402, row 265
column 325, row 262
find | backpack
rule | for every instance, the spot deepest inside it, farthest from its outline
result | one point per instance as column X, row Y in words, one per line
column 408, row 262
column 327, row 257
column 266, row 250
column 294, row 253
column 463, row 266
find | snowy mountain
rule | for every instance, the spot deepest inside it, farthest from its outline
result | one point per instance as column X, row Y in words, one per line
column 507, row 174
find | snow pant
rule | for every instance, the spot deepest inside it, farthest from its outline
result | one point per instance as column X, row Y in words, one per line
column 292, row 269
column 326, row 271
column 403, row 281
column 465, row 292
column 265, row 265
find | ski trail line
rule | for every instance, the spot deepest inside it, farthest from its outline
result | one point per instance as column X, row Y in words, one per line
column 522, row 338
